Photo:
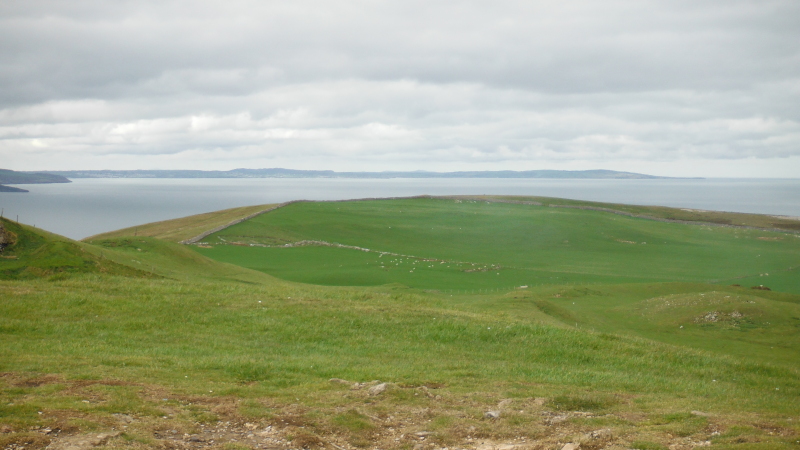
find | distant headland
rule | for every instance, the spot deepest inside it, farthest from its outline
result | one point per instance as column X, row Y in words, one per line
column 13, row 177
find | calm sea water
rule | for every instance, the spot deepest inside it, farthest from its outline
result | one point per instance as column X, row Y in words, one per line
column 90, row 206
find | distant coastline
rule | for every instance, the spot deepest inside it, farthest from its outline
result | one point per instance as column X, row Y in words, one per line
column 11, row 189
column 14, row 177
column 290, row 173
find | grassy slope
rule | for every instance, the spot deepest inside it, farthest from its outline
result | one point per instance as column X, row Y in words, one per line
column 662, row 212
column 35, row 253
column 498, row 246
column 603, row 255
column 266, row 349
column 177, row 230
column 281, row 343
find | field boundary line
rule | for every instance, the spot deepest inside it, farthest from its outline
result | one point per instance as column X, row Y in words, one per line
column 230, row 224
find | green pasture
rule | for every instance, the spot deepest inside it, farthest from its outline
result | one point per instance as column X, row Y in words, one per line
column 625, row 324
column 287, row 341
column 464, row 245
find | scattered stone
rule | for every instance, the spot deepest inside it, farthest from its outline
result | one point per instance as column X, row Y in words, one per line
column 504, row 404
column 124, row 418
column 604, row 434
column 428, row 393
column 506, row 447
column 571, row 446
column 378, row 389
column 557, row 419
column 492, row 415
column 82, row 442
column 339, row 381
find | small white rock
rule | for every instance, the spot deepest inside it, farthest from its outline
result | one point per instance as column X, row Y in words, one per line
column 378, row 389
column 492, row 414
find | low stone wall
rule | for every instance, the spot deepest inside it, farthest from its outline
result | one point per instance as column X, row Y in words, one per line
column 204, row 234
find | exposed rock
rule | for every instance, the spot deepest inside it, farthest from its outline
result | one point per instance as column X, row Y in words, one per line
column 571, row 446
column 492, row 415
column 82, row 442
column 604, row 435
column 124, row 418
column 378, row 389
column 427, row 392
column 504, row 404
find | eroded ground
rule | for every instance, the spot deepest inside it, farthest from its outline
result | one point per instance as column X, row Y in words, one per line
column 47, row 411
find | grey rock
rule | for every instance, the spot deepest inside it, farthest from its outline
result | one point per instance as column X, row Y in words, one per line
column 492, row 415
column 82, row 442
column 378, row 389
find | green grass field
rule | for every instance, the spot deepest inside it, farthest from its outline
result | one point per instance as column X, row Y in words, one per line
column 469, row 245
column 614, row 344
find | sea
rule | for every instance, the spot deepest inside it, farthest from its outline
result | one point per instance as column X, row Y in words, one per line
column 90, row 206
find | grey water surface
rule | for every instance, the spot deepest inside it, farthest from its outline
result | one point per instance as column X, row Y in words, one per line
column 89, row 206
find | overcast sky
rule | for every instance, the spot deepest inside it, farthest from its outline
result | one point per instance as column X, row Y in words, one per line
column 673, row 87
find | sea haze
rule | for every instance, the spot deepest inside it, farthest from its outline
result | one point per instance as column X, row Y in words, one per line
column 90, row 206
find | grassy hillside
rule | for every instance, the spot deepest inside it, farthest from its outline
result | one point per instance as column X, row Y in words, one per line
column 177, row 230
column 32, row 253
column 466, row 245
column 661, row 212
column 177, row 350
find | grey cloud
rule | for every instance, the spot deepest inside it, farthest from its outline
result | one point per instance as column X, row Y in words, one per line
column 431, row 82
column 575, row 47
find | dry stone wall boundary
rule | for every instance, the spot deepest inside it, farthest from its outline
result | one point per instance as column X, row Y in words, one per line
column 205, row 234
